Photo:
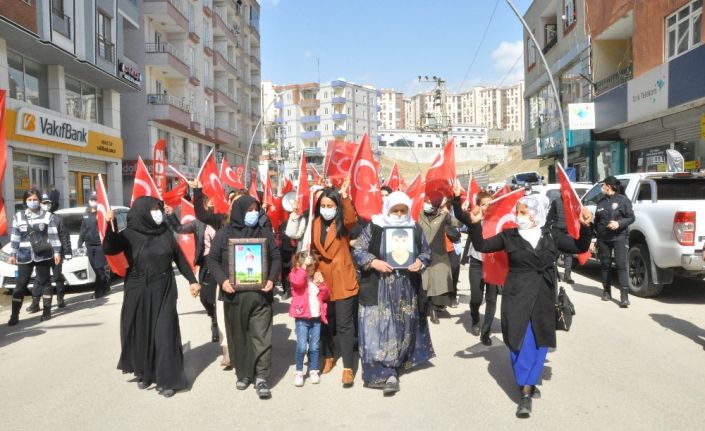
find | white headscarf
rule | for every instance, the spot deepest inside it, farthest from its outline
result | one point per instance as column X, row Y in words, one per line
column 394, row 199
column 538, row 208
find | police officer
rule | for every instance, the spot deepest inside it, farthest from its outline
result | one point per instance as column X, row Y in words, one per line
column 57, row 276
column 94, row 249
column 613, row 216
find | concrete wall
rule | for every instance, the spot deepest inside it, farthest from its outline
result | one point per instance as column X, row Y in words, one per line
column 427, row 155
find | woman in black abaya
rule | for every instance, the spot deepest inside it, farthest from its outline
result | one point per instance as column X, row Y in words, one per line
column 149, row 324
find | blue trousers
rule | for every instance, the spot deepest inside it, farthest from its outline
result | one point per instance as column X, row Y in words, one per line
column 528, row 361
column 308, row 332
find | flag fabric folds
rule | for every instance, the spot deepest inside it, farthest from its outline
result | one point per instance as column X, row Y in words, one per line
column 187, row 242
column 212, row 184
column 365, row 189
column 144, row 185
column 118, row 262
column 499, row 215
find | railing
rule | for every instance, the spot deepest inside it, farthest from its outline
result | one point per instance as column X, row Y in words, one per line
column 338, row 100
column 168, row 99
column 60, row 22
column 226, row 128
column 550, row 44
column 227, row 92
column 208, row 82
column 614, row 80
column 209, row 122
column 165, row 47
column 193, row 72
column 106, row 49
column 339, row 116
column 195, row 117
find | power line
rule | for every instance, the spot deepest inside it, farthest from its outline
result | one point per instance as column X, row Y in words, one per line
column 511, row 69
column 482, row 40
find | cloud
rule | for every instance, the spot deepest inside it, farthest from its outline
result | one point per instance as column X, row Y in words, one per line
column 508, row 61
column 308, row 54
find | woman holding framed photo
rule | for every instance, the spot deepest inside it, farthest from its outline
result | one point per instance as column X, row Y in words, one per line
column 392, row 333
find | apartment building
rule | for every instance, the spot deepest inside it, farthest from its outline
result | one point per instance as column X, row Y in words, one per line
column 312, row 114
column 648, row 58
column 65, row 64
column 392, row 114
column 201, row 63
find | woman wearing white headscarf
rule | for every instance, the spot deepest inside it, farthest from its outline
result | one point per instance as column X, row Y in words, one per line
column 528, row 298
column 392, row 333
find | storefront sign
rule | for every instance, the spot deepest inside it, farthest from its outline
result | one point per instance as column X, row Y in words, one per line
column 41, row 125
column 129, row 73
column 129, row 167
column 581, row 116
column 648, row 94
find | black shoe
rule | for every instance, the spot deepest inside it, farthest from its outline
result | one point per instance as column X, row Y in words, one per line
column 606, row 296
column 215, row 333
column 243, row 383
column 60, row 304
column 144, row 385
column 568, row 280
column 535, row 393
column 14, row 320
column 485, row 338
column 475, row 329
column 624, row 300
column 45, row 317
column 391, row 387
column 454, row 303
column 33, row 308
column 286, row 294
column 263, row 391
column 167, row 393
column 433, row 316
column 524, row 408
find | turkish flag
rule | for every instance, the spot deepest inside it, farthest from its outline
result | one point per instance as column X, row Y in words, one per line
column 268, row 196
column 395, row 181
column 473, row 190
column 173, row 197
column 117, row 262
column 3, row 160
column 159, row 165
column 440, row 177
column 144, row 185
column 416, row 193
column 187, row 242
column 235, row 178
column 303, row 191
column 501, row 192
column 339, row 156
column 365, row 189
column 212, row 185
column 252, row 191
column 287, row 187
column 571, row 210
column 499, row 215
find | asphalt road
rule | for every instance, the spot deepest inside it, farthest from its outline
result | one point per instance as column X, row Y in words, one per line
column 641, row 368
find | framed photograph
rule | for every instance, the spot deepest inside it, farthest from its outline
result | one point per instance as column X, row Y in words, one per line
column 248, row 263
column 399, row 246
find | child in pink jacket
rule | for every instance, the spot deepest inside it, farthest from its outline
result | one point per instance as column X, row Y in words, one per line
column 308, row 307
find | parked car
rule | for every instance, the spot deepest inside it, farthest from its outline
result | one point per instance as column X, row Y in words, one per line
column 77, row 271
column 521, row 179
column 553, row 191
column 664, row 239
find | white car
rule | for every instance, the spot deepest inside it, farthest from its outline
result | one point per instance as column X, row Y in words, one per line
column 77, row 270
column 553, row 191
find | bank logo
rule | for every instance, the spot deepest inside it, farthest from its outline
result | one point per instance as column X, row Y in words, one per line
column 29, row 122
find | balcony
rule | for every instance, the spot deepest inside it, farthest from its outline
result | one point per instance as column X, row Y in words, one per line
column 169, row 109
column 340, row 117
column 167, row 59
column 279, row 104
column 279, row 120
column 339, row 100
column 221, row 26
column 337, row 84
column 60, row 23
column 313, row 152
column 254, row 59
column 225, row 98
column 208, row 47
column 314, row 134
column 169, row 12
column 195, row 121
column 106, row 49
column 194, row 76
column 614, row 80
column 208, row 8
column 309, row 103
column 208, row 85
column 225, row 134
column 195, row 38
column 339, row 133
column 222, row 63
column 308, row 119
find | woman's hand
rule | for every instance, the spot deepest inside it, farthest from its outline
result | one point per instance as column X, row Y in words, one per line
column 416, row 266
column 344, row 188
column 614, row 225
column 381, row 266
column 295, row 209
column 227, row 287
column 195, row 183
column 585, row 217
column 317, row 278
column 457, row 190
column 12, row 260
column 57, row 259
column 476, row 214
column 593, row 248
column 195, row 288
column 268, row 286
column 109, row 216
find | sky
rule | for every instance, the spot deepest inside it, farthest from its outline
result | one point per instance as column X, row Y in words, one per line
column 389, row 43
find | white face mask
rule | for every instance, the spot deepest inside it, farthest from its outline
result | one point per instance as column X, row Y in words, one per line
column 427, row 208
column 92, row 203
column 157, row 216
column 524, row 222
column 45, row 207
column 329, row 213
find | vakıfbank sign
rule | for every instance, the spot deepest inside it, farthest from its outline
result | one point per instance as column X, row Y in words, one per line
column 46, row 126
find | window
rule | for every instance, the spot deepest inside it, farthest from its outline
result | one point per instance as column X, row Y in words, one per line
column 84, row 101
column 683, row 29
column 28, row 80
column 60, row 22
column 570, row 14
column 106, row 49
column 531, row 52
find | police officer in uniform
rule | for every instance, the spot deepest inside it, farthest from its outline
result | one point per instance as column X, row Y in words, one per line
column 94, row 249
column 613, row 216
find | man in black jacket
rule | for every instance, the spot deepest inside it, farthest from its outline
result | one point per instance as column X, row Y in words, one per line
column 94, row 249
column 613, row 216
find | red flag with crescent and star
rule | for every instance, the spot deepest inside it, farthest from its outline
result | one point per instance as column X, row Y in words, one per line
column 395, row 181
column 315, row 175
column 339, row 157
column 571, row 210
column 144, row 185
column 173, row 197
column 117, row 262
column 252, row 191
column 471, row 194
column 303, row 191
column 499, row 215
column 440, row 177
column 268, row 195
column 235, row 178
column 287, row 187
column 187, row 242
column 416, row 193
column 365, row 189
column 503, row 191
column 212, row 185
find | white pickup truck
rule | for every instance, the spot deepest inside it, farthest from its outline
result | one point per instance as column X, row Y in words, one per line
column 668, row 233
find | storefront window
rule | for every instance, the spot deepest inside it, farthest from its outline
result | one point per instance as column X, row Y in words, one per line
column 177, row 149
column 28, row 80
column 30, row 171
column 193, row 159
column 649, row 160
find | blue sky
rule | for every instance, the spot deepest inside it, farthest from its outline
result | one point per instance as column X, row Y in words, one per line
column 388, row 43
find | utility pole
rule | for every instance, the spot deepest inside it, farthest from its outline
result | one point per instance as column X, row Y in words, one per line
column 437, row 122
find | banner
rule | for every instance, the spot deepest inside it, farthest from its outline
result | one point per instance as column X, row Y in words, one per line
column 159, row 165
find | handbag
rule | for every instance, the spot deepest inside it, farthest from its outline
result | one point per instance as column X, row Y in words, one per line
column 565, row 310
column 38, row 241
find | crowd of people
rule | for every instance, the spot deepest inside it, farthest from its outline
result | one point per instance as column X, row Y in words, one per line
column 355, row 285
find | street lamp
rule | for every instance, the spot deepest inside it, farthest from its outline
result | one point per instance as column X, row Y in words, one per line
column 252, row 140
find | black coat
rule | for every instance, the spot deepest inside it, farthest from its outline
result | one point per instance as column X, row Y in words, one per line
column 64, row 236
column 529, row 290
column 89, row 230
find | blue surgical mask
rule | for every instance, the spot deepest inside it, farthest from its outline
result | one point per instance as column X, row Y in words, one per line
column 33, row 205
column 251, row 218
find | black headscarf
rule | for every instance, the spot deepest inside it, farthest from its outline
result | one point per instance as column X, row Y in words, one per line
column 140, row 220
column 237, row 215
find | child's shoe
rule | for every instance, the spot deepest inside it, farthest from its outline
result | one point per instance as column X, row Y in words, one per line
column 314, row 377
column 299, row 379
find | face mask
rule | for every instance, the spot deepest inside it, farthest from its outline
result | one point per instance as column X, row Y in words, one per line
column 329, row 213
column 428, row 208
column 45, row 207
column 92, row 203
column 397, row 219
column 157, row 216
column 33, row 205
column 251, row 218
column 524, row 222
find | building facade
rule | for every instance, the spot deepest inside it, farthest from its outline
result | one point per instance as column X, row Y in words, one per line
column 201, row 62
column 392, row 114
column 65, row 64
column 313, row 114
